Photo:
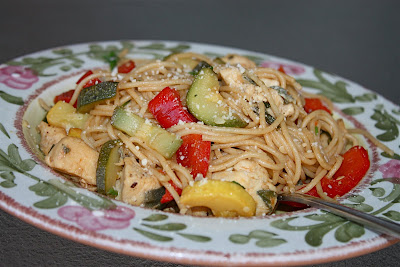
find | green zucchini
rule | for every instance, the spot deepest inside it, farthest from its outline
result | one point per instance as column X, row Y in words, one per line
column 96, row 94
column 270, row 199
column 157, row 138
column 199, row 67
column 107, row 169
column 206, row 103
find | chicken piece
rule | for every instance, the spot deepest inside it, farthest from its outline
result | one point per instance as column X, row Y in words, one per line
column 50, row 135
column 253, row 93
column 252, row 177
column 73, row 156
column 285, row 109
column 136, row 181
column 234, row 78
column 234, row 59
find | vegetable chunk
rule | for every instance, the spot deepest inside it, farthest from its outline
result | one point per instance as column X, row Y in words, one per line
column 225, row 199
column 253, row 178
column 107, row 166
column 206, row 103
column 64, row 115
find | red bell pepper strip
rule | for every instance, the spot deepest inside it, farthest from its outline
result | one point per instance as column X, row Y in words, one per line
column 126, row 67
column 313, row 104
column 91, row 82
column 354, row 167
column 66, row 97
column 194, row 153
column 281, row 69
column 167, row 197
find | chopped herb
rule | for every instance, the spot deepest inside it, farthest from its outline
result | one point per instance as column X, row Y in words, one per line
column 112, row 192
column 66, row 149
column 153, row 197
column 199, row 66
column 111, row 59
column 268, row 117
column 250, row 80
column 316, row 130
column 52, row 146
column 287, row 98
column 238, row 184
column 269, row 197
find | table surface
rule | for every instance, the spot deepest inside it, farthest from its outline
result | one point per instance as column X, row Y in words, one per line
column 358, row 40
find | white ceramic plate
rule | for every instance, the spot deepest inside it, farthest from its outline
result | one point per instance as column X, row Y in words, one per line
column 36, row 194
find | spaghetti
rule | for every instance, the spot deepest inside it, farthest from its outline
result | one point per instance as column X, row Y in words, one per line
column 289, row 149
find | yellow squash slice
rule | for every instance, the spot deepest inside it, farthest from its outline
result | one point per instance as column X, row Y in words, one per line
column 64, row 115
column 224, row 198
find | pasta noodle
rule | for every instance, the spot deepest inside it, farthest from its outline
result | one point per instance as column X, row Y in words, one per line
column 296, row 149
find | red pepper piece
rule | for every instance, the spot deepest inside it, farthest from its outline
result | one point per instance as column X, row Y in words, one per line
column 126, row 67
column 354, row 167
column 168, row 110
column 313, row 104
column 194, row 153
column 167, row 197
column 281, row 69
column 91, row 82
column 66, row 97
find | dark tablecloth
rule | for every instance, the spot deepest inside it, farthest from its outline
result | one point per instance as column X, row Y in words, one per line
column 358, row 40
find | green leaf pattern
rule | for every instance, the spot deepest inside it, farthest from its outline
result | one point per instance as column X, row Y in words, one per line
column 167, row 227
column 337, row 92
column 387, row 123
column 66, row 59
column 11, row 99
column 264, row 239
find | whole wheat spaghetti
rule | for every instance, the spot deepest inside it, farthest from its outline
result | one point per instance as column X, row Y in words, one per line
column 282, row 147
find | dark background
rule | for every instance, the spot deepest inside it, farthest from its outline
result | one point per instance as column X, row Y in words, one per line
column 358, row 40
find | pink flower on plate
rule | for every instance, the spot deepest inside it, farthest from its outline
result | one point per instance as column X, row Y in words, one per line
column 289, row 69
column 118, row 218
column 391, row 169
column 17, row 77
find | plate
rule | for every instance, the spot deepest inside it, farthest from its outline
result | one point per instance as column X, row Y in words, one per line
column 36, row 194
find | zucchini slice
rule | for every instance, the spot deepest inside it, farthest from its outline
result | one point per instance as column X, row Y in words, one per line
column 206, row 103
column 159, row 139
column 96, row 94
column 107, row 168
